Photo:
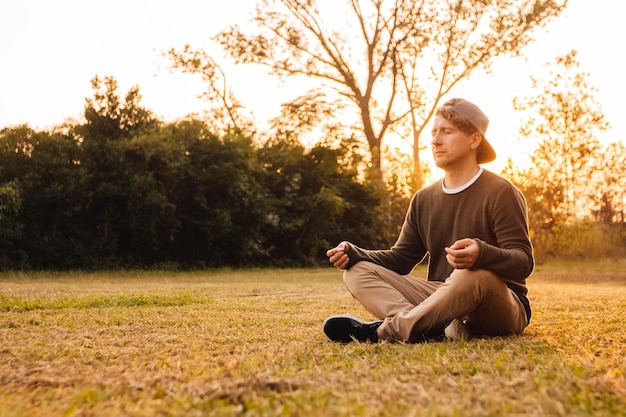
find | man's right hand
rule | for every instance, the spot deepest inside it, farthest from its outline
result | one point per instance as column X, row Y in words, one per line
column 338, row 255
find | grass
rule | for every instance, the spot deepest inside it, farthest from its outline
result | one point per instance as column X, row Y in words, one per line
column 249, row 343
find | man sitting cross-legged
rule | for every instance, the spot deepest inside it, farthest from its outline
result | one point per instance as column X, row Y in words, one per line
column 472, row 226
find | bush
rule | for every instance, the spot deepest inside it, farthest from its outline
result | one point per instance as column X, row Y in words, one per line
column 581, row 241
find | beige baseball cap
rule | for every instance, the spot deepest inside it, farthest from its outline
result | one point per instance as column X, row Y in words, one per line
column 473, row 114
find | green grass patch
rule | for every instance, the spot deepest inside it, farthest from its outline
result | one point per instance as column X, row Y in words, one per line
column 249, row 343
column 100, row 301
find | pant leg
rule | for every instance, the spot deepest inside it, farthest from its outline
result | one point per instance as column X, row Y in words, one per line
column 385, row 293
column 500, row 312
column 412, row 309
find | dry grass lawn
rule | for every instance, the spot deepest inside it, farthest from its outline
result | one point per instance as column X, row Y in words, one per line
column 249, row 343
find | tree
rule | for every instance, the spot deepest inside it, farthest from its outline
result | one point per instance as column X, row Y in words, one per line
column 314, row 201
column 195, row 198
column 53, row 200
column 227, row 113
column 16, row 147
column 110, row 123
column 564, row 118
column 609, row 186
column 151, row 221
column 391, row 60
column 11, row 226
column 108, row 118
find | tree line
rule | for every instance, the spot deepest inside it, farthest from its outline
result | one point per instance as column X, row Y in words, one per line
column 123, row 189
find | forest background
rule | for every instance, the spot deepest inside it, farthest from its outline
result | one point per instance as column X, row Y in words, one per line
column 122, row 188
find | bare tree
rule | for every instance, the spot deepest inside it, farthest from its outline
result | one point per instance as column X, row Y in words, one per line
column 227, row 112
column 393, row 60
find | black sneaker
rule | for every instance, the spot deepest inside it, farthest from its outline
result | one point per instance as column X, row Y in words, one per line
column 345, row 329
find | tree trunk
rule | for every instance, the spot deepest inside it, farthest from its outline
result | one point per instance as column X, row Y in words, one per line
column 418, row 178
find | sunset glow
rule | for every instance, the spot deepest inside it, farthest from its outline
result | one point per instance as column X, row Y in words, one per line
column 51, row 50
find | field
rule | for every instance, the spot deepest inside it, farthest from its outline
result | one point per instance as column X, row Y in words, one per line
column 249, row 343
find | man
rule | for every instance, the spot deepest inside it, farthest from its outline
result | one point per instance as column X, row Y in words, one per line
column 472, row 226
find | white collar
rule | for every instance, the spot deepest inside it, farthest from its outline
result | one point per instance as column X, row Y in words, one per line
column 464, row 186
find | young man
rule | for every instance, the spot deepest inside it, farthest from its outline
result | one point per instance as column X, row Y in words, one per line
column 473, row 228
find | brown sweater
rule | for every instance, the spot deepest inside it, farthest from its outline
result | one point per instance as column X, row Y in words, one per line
column 491, row 211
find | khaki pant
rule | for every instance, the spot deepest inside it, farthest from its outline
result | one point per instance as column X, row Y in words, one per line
column 413, row 308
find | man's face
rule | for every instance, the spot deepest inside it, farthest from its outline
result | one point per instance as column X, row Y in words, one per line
column 451, row 146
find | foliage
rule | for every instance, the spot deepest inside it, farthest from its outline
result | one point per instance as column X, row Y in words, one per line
column 109, row 119
column 122, row 189
column 581, row 241
column 314, row 201
column 575, row 185
column 608, row 199
column 54, row 190
column 564, row 118
column 11, row 227
column 250, row 342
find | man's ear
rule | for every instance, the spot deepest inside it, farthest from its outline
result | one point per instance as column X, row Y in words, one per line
column 477, row 138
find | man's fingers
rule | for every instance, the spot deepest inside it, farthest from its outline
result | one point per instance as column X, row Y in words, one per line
column 338, row 259
column 457, row 262
column 336, row 256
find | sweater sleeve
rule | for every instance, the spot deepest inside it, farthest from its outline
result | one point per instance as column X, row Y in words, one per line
column 511, row 256
column 408, row 251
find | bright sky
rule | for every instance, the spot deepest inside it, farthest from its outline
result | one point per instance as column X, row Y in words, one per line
column 50, row 50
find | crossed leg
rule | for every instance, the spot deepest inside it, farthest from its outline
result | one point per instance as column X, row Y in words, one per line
column 413, row 309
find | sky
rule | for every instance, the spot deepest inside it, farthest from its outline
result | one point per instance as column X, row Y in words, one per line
column 50, row 50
